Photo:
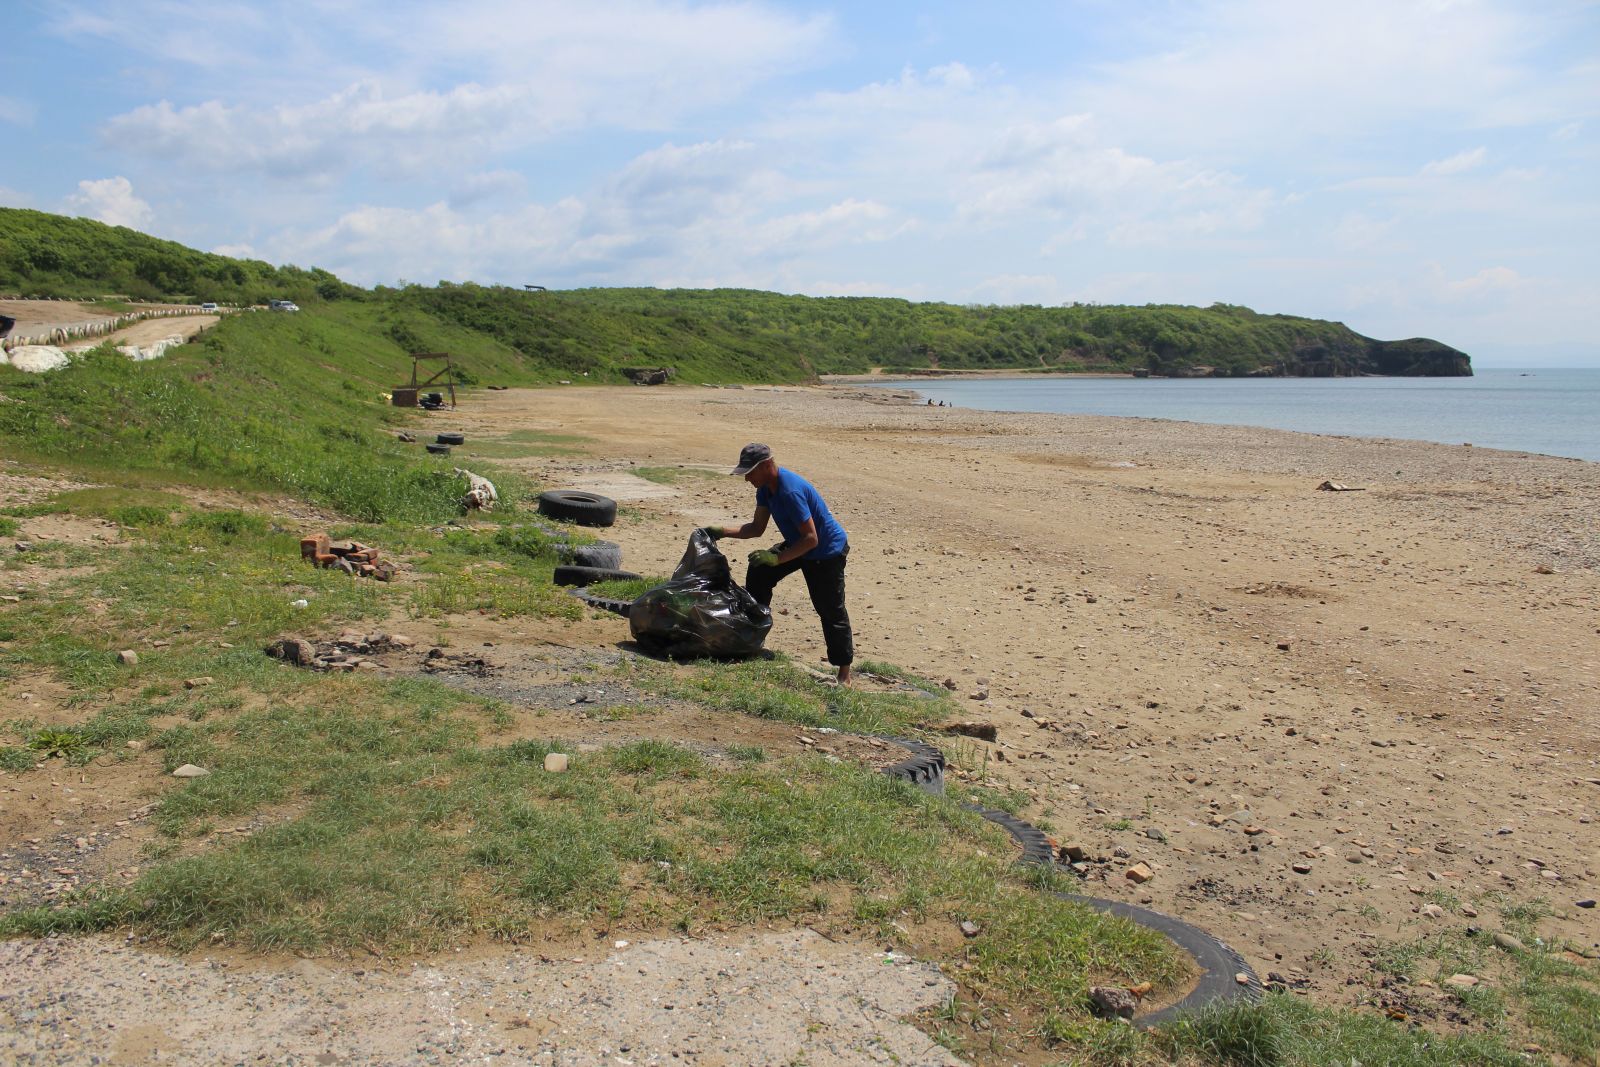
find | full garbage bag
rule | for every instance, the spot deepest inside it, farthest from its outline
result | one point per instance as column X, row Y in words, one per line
column 702, row 611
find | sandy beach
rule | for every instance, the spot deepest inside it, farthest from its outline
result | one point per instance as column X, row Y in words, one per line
column 1328, row 722
column 1194, row 658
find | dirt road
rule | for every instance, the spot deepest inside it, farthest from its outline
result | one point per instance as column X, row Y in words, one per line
column 39, row 317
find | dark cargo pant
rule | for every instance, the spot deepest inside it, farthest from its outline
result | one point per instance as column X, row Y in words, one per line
column 825, row 583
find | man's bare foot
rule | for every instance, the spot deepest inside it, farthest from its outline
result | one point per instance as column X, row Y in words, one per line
column 844, row 675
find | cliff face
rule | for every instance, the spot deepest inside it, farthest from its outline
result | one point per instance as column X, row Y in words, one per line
column 1418, row 357
column 1355, row 356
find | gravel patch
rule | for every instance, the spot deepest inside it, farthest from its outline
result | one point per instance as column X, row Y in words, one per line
column 762, row 998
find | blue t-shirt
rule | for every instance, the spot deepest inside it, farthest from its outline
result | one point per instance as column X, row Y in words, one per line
column 791, row 503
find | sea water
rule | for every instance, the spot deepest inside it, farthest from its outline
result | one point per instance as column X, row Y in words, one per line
column 1556, row 412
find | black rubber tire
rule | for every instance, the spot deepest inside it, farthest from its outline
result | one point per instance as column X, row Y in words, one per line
column 571, row 575
column 451, row 439
column 1220, row 966
column 572, row 505
column 606, row 554
column 604, row 603
column 439, row 450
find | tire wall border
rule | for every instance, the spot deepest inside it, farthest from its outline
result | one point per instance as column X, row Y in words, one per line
column 1218, row 963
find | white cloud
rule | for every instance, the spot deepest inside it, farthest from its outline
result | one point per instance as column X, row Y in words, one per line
column 111, row 200
column 487, row 186
column 1490, row 281
column 1357, row 230
column 1226, row 76
column 1016, row 289
column 1456, row 164
column 17, row 112
column 380, row 245
column 625, row 62
column 358, row 125
column 457, row 84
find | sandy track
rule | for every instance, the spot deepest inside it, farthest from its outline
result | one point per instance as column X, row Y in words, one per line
column 36, row 317
column 152, row 330
column 40, row 316
column 748, row 1001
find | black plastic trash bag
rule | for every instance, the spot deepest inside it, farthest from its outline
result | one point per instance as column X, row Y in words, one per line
column 702, row 611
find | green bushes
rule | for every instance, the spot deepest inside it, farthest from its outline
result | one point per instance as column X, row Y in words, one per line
column 54, row 256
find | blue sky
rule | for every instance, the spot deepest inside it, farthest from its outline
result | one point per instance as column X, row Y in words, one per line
column 1408, row 168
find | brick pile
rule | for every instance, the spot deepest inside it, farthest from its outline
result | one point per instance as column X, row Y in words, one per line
column 352, row 557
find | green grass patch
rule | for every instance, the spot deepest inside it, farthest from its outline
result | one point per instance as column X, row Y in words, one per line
column 627, row 588
column 109, row 502
column 1285, row 1031
column 776, row 689
column 679, row 475
column 384, row 822
column 217, row 411
column 523, row 444
column 1530, row 993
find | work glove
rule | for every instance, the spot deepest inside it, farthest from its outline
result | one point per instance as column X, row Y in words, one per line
column 764, row 557
column 713, row 532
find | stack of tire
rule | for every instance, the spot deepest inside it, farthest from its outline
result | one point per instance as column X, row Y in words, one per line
column 443, row 442
column 597, row 562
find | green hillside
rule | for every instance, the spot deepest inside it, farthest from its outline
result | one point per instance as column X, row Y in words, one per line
column 720, row 335
column 44, row 255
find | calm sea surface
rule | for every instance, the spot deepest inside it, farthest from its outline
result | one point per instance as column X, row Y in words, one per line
column 1556, row 412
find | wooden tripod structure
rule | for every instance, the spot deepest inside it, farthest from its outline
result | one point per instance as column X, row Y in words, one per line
column 447, row 372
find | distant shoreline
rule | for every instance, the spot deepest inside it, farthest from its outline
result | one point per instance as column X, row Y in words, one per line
column 903, row 376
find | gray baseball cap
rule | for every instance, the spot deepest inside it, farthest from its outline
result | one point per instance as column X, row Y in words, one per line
column 750, row 457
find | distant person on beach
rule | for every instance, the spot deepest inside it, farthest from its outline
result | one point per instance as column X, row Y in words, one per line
column 813, row 543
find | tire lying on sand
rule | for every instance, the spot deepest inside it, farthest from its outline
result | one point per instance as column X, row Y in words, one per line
column 438, row 449
column 572, row 505
column 451, row 439
column 607, row 554
column 574, row 575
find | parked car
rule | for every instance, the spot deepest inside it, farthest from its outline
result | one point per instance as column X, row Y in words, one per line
column 208, row 306
column 285, row 305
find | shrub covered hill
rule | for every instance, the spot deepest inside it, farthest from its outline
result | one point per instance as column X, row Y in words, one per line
column 720, row 334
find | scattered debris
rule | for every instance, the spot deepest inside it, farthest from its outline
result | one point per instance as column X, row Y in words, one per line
column 347, row 653
column 438, row 661
column 352, row 557
column 1113, row 1002
column 983, row 731
column 969, row 929
column 197, row 683
column 647, row 375
column 1139, row 873
column 555, row 762
column 1340, row 487
column 128, row 657
column 189, row 770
